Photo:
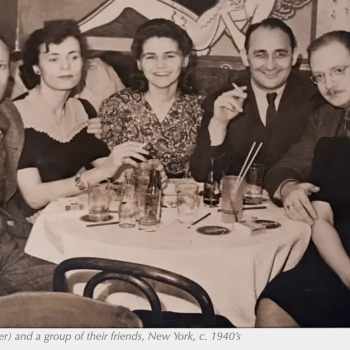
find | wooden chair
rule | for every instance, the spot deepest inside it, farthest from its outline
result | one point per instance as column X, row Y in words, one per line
column 62, row 310
column 138, row 275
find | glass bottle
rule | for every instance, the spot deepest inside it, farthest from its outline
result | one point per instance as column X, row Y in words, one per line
column 211, row 194
column 128, row 205
column 150, row 219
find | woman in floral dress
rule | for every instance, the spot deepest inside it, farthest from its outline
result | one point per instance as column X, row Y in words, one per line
column 161, row 109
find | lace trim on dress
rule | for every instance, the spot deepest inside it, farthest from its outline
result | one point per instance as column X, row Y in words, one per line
column 32, row 110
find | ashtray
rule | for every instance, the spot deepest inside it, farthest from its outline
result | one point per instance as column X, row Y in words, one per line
column 269, row 224
column 86, row 218
column 213, row 230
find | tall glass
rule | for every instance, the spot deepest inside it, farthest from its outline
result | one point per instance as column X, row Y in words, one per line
column 232, row 199
column 117, row 191
column 98, row 201
column 187, row 202
column 149, row 213
column 128, row 208
column 254, row 185
column 142, row 181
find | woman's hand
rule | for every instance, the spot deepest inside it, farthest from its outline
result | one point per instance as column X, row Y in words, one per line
column 95, row 127
column 126, row 153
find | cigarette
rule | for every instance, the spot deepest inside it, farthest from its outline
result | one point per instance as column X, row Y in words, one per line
column 238, row 88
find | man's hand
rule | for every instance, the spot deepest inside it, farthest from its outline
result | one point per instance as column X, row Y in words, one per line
column 296, row 201
column 229, row 104
column 95, row 127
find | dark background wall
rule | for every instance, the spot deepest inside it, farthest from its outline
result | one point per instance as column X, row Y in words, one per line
column 8, row 15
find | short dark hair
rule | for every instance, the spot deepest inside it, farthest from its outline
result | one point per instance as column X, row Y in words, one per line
column 163, row 28
column 53, row 32
column 339, row 36
column 270, row 23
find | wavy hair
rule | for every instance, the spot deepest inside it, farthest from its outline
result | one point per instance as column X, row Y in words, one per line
column 163, row 28
column 53, row 32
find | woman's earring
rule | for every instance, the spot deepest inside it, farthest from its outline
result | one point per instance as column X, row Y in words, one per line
column 36, row 72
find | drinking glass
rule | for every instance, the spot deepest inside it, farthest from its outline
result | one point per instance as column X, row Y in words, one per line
column 117, row 191
column 232, row 199
column 254, row 184
column 142, row 181
column 128, row 208
column 187, row 202
column 98, row 201
column 149, row 211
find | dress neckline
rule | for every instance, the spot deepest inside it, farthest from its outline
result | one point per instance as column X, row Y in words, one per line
column 33, row 114
column 149, row 108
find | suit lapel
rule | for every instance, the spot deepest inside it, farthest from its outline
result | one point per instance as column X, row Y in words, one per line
column 295, row 108
column 335, row 125
column 253, row 120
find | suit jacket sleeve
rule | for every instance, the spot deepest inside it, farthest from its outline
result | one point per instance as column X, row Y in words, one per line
column 203, row 152
column 296, row 164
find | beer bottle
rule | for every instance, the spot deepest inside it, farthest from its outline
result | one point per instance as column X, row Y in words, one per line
column 211, row 195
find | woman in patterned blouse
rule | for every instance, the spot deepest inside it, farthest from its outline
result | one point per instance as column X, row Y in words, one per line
column 161, row 108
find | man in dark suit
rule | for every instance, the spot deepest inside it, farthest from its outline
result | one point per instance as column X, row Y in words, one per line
column 270, row 103
column 316, row 292
column 291, row 174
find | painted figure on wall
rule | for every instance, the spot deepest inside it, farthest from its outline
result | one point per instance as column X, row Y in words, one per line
column 230, row 16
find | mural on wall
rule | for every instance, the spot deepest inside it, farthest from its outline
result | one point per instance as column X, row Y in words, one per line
column 333, row 15
column 206, row 24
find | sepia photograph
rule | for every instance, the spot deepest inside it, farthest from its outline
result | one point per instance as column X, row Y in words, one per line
column 174, row 164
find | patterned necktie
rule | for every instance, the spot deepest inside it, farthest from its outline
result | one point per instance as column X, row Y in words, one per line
column 271, row 111
column 347, row 124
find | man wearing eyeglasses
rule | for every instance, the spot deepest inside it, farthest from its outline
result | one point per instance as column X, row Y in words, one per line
column 316, row 292
column 329, row 59
column 269, row 103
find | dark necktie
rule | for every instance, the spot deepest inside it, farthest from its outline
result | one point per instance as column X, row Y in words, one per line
column 271, row 111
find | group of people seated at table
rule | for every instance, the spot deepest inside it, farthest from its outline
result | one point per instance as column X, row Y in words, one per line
column 53, row 142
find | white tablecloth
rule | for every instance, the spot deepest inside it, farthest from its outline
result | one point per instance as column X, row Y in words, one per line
column 232, row 268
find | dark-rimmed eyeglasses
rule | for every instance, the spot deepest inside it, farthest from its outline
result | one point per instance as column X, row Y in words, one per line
column 336, row 73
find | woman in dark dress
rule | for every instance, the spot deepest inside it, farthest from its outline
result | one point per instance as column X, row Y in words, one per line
column 57, row 147
column 316, row 293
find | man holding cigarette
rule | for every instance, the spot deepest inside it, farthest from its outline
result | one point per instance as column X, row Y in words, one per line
column 269, row 103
